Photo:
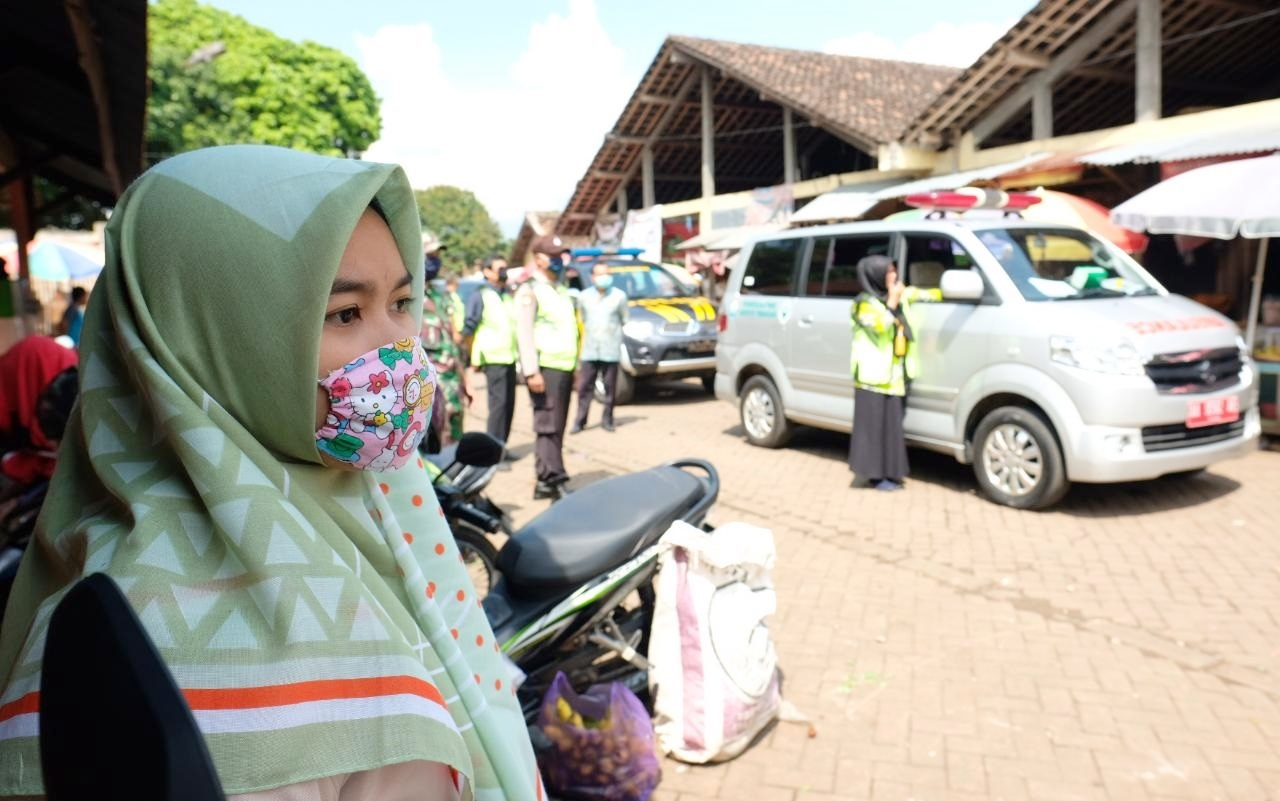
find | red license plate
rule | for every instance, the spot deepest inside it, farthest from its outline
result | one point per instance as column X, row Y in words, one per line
column 1213, row 411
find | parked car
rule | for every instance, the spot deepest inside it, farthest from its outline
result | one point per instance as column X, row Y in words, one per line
column 1054, row 357
column 670, row 331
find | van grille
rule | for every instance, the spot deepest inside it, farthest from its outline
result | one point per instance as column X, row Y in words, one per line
column 1195, row 371
column 1167, row 438
column 690, row 328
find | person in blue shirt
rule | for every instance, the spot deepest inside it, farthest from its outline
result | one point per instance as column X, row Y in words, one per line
column 73, row 318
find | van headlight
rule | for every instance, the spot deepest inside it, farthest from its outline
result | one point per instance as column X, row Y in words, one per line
column 638, row 329
column 1098, row 356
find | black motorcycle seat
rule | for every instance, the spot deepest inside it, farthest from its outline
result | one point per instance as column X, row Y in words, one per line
column 596, row 528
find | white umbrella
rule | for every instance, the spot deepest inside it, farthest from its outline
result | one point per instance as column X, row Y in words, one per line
column 1222, row 201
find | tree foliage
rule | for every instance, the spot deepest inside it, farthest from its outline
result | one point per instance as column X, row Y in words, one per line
column 461, row 222
column 255, row 88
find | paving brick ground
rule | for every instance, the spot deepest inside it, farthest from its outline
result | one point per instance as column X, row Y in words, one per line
column 1124, row 645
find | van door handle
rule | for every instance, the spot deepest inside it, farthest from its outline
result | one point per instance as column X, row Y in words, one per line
column 806, row 321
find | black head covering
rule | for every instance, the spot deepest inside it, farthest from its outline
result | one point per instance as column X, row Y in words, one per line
column 871, row 273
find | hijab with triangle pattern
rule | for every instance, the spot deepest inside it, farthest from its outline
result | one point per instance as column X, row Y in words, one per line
column 317, row 620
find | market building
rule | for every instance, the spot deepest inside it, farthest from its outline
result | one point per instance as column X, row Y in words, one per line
column 1099, row 98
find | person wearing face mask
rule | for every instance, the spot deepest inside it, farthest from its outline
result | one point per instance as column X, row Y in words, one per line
column 246, row 472
column 884, row 361
column 489, row 335
column 443, row 348
column 547, row 335
column 604, row 312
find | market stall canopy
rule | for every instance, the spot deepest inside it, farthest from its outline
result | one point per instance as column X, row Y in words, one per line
column 955, row 180
column 1233, row 198
column 1261, row 137
column 73, row 90
column 727, row 238
column 845, row 203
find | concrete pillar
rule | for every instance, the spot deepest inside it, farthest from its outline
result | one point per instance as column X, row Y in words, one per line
column 708, row 149
column 788, row 148
column 1147, row 62
column 621, row 200
column 646, row 177
column 1042, row 112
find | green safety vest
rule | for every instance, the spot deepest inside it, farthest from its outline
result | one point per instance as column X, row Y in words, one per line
column 555, row 329
column 872, row 361
column 495, row 337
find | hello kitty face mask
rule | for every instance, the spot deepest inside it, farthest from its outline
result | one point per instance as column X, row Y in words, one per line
column 379, row 407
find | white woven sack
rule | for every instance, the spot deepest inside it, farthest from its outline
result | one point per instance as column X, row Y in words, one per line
column 715, row 670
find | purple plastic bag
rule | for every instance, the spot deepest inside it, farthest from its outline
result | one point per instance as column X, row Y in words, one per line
column 601, row 743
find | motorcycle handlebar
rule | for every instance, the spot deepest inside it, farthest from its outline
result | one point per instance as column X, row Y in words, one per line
column 456, row 506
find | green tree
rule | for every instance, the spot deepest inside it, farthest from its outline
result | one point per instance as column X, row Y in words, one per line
column 462, row 223
column 216, row 79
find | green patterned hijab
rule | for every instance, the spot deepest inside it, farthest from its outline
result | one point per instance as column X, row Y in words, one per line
column 318, row 620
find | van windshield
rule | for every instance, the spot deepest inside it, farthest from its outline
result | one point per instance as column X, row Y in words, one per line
column 1065, row 264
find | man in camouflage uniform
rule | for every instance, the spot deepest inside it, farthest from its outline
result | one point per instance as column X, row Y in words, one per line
column 440, row 342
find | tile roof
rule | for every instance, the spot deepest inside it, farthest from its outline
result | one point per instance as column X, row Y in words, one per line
column 871, row 99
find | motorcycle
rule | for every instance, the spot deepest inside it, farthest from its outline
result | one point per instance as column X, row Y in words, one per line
column 574, row 589
column 459, row 473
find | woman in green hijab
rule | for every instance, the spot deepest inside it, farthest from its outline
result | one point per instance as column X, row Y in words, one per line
column 251, row 385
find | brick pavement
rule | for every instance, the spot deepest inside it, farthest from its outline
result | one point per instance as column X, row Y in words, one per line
column 1124, row 645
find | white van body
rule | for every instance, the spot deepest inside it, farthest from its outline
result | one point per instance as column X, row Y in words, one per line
column 1053, row 357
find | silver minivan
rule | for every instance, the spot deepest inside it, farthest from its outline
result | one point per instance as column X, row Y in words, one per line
column 1053, row 357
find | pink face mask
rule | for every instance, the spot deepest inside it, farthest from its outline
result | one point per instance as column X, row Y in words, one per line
column 379, row 407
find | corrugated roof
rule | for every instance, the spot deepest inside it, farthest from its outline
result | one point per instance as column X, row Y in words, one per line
column 1261, row 138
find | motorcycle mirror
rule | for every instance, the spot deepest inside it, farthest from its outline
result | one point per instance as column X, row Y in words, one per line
column 479, row 449
column 113, row 723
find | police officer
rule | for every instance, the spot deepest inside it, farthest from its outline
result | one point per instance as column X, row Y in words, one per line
column 489, row 334
column 547, row 335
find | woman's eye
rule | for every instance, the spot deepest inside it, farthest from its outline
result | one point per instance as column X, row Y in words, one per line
column 404, row 305
column 345, row 316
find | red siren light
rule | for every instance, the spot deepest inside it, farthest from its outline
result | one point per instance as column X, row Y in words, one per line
column 971, row 197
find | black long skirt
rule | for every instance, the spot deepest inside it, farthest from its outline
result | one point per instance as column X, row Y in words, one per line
column 877, row 448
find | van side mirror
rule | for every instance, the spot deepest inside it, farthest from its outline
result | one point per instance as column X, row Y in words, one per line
column 962, row 285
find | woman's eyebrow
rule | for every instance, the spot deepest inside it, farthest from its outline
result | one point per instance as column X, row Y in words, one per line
column 344, row 285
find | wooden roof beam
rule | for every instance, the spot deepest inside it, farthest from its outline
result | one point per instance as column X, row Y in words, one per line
column 1127, row 78
column 81, row 19
column 1076, row 52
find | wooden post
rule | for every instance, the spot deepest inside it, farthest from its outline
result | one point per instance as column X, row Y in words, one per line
column 708, row 151
column 621, row 200
column 21, row 204
column 1147, row 62
column 1042, row 112
column 647, row 196
column 788, row 147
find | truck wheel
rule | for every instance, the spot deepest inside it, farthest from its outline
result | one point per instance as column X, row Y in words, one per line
column 1017, row 460
column 762, row 415
column 624, row 391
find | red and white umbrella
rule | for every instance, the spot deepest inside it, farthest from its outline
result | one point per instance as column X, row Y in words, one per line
column 1081, row 212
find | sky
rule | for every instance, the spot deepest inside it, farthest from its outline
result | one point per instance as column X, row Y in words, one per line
column 511, row 99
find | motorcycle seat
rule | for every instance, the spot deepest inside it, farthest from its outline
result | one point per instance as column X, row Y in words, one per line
column 595, row 529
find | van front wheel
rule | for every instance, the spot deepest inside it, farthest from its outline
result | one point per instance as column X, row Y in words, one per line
column 1017, row 460
column 762, row 416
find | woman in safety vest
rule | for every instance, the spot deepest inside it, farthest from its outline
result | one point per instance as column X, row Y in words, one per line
column 884, row 362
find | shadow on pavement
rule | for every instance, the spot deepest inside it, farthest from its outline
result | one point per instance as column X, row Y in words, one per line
column 1083, row 500
column 669, row 392
column 580, row 480
column 1143, row 497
